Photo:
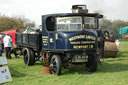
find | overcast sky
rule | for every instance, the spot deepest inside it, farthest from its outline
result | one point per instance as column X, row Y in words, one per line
column 33, row 9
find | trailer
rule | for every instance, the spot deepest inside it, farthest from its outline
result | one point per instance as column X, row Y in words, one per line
column 30, row 46
column 73, row 38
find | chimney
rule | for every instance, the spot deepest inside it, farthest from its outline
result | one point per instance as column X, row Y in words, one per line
column 79, row 9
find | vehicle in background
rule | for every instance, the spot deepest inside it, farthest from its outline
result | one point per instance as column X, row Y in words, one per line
column 12, row 34
column 110, row 48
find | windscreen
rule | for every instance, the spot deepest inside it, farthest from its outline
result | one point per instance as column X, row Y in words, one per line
column 75, row 23
column 69, row 23
column 89, row 23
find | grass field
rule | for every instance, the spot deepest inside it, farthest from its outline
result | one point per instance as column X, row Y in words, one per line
column 114, row 71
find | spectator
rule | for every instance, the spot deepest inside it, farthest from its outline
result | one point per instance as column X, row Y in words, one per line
column 117, row 43
column 7, row 45
column 1, row 48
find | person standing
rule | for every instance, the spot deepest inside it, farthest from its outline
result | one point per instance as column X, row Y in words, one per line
column 117, row 43
column 1, row 48
column 7, row 45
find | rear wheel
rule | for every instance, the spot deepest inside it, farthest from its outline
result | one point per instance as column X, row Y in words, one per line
column 91, row 65
column 56, row 64
column 29, row 58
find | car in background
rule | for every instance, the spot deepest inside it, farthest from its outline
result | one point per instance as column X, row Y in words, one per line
column 11, row 33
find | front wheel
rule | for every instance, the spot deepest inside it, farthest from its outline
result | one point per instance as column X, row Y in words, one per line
column 56, row 64
column 91, row 65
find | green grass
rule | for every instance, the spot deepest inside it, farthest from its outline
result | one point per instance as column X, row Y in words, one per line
column 114, row 71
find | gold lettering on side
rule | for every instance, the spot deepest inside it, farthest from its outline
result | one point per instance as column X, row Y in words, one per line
column 45, row 40
column 82, row 46
column 82, row 37
column 45, row 44
column 75, row 42
column 87, row 42
column 44, row 36
column 76, row 37
column 82, row 42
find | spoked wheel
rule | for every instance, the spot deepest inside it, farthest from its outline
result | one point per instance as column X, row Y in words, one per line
column 91, row 65
column 29, row 58
column 56, row 65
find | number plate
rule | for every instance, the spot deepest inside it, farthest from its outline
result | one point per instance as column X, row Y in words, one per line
column 79, row 59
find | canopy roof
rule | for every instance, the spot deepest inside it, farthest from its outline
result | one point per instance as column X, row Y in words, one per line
column 124, row 30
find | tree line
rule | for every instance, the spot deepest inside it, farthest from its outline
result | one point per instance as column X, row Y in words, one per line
column 18, row 22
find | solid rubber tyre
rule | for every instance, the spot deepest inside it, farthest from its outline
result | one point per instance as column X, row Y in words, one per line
column 29, row 58
column 91, row 65
column 56, row 64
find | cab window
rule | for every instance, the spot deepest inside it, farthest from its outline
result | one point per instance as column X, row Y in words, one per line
column 89, row 23
column 69, row 23
column 50, row 24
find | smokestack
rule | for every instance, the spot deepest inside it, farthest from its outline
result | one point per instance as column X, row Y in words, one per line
column 79, row 9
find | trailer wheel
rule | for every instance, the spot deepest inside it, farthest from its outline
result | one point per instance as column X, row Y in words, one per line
column 28, row 57
column 56, row 64
column 91, row 65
